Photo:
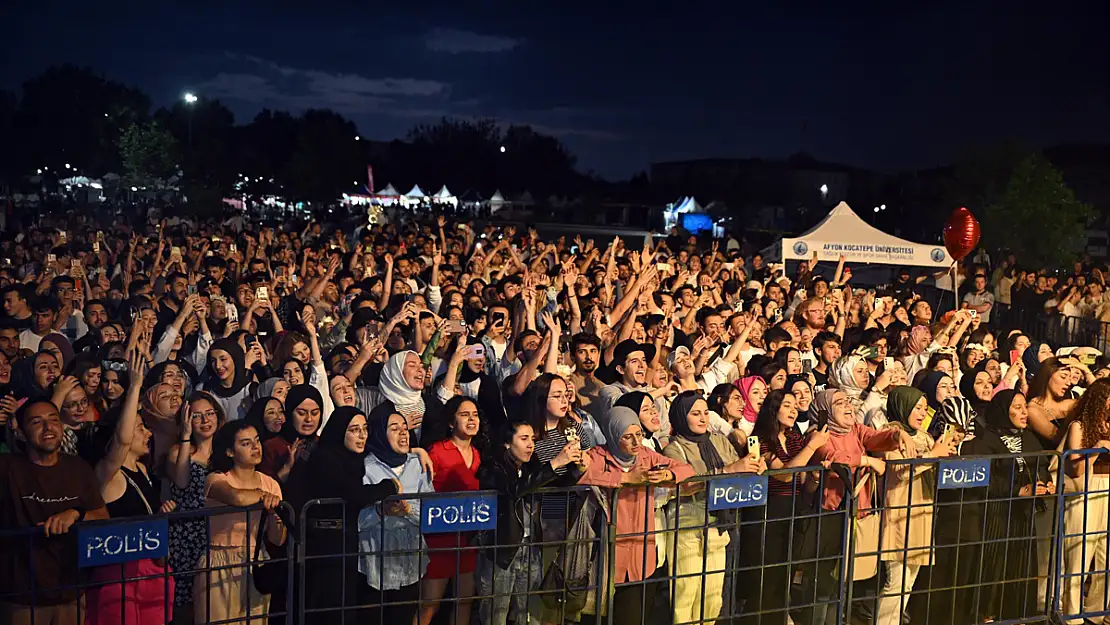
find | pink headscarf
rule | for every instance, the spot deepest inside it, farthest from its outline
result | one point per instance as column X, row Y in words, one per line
column 920, row 337
column 745, row 386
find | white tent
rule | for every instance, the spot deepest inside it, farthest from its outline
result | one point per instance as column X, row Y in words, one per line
column 416, row 192
column 388, row 191
column 842, row 232
column 496, row 201
column 443, row 196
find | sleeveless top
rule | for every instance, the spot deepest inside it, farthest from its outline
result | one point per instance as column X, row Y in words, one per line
column 140, row 497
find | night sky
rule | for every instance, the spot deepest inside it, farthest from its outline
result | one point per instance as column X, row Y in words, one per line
column 872, row 84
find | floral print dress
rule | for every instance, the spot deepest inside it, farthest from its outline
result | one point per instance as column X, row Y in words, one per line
column 188, row 537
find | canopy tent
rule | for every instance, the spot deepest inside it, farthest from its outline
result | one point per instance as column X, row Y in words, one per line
column 496, row 201
column 443, row 196
column 416, row 192
column 842, row 232
column 388, row 191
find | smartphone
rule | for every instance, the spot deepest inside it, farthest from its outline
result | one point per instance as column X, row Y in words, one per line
column 461, row 226
column 262, row 293
column 96, row 247
column 974, row 313
column 233, row 247
column 888, row 363
column 730, row 266
column 498, row 317
column 1088, row 359
column 75, row 265
column 871, row 353
column 807, row 367
column 249, row 340
column 455, row 326
column 1015, row 356
column 62, row 236
column 191, row 289
column 51, row 258
column 660, row 467
column 175, row 252
column 232, row 312
column 664, row 267
column 753, row 447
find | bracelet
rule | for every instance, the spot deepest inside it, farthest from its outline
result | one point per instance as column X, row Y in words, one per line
column 184, row 441
column 80, row 516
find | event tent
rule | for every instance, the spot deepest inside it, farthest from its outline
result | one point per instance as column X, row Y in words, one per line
column 443, row 196
column 842, row 232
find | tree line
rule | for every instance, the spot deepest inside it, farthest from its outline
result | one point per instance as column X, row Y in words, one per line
column 74, row 115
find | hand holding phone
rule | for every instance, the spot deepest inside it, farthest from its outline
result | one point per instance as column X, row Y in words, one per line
column 753, row 447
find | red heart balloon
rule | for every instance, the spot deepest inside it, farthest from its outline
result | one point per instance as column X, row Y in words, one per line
column 961, row 233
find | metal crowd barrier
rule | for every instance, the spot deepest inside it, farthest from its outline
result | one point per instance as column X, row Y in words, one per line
column 358, row 569
column 980, row 547
column 124, row 572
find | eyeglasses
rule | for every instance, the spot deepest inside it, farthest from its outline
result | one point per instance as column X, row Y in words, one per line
column 81, row 403
column 357, row 429
column 114, row 366
column 204, row 416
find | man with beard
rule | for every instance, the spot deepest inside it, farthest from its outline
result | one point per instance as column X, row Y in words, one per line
column 9, row 338
column 45, row 488
column 96, row 315
column 585, row 351
column 70, row 320
column 630, row 363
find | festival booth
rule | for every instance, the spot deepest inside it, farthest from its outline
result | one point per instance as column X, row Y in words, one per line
column 496, row 202
column 415, row 197
column 443, row 196
column 843, row 233
column 689, row 215
column 387, row 196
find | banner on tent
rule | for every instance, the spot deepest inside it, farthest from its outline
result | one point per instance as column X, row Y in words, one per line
column 876, row 253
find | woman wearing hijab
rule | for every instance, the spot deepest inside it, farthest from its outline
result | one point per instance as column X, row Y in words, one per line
column 907, row 525
column 650, row 423
column 402, row 384
column 393, row 527
column 626, row 461
column 228, row 374
column 850, row 444
column 267, row 415
column 700, row 548
column 303, row 411
column 1009, row 585
column 753, row 391
column 937, row 387
column 851, row 375
column 335, row 470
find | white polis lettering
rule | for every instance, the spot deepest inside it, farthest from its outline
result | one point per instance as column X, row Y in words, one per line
column 739, row 492
column 964, row 474
column 460, row 514
column 124, row 543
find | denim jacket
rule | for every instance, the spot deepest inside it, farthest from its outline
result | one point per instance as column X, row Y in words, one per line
column 400, row 534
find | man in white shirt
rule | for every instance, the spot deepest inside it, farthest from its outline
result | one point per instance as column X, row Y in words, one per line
column 44, row 312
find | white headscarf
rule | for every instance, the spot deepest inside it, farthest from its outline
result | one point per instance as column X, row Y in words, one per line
column 840, row 377
column 392, row 384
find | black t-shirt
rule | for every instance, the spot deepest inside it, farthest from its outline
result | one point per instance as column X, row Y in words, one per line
column 30, row 494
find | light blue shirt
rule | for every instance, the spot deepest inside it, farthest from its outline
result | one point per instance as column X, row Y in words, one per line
column 400, row 539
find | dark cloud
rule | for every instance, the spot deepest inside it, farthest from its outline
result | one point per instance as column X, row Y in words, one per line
column 458, row 41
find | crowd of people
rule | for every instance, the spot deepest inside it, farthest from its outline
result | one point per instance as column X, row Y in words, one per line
column 204, row 367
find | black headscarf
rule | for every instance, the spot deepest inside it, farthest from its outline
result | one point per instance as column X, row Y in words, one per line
column 255, row 417
column 23, row 382
column 680, row 409
column 967, row 388
column 998, row 413
column 297, row 395
column 242, row 376
column 378, row 441
column 633, row 400
column 332, row 441
column 929, row 387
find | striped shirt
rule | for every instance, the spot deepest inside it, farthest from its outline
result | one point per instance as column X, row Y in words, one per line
column 795, row 443
column 555, row 506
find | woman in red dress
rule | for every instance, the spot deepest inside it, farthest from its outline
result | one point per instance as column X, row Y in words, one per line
column 456, row 461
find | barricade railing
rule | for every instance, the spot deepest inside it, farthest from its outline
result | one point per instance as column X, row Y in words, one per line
column 961, row 540
column 741, row 548
column 397, row 559
column 141, row 569
column 967, row 539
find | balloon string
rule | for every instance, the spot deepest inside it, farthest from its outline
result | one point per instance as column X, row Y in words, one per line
column 956, row 285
